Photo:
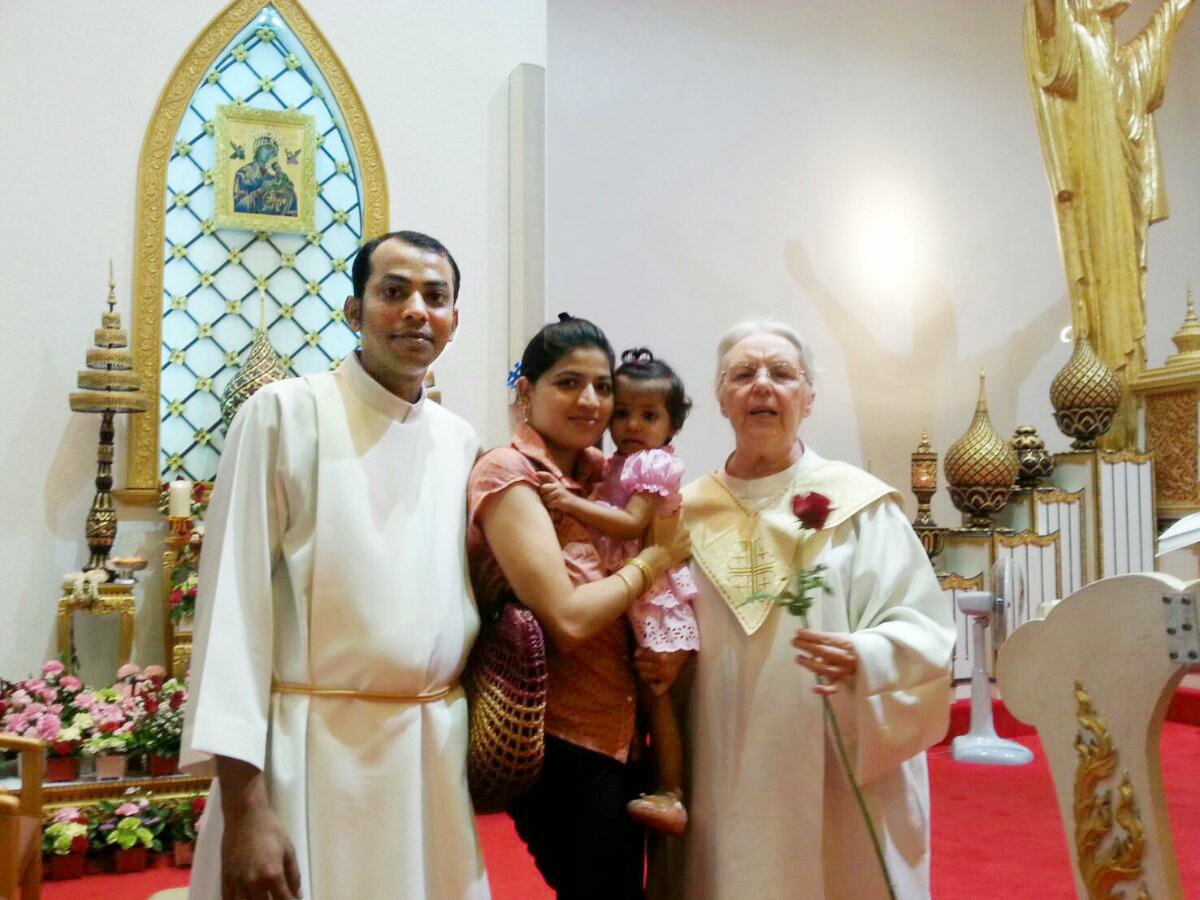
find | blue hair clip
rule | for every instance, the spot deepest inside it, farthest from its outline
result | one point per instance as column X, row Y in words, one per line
column 514, row 373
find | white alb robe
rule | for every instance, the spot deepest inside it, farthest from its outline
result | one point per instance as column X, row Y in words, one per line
column 334, row 557
column 771, row 814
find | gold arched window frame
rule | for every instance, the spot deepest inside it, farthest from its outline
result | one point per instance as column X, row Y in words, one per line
column 143, row 440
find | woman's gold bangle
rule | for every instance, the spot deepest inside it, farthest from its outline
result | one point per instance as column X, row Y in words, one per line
column 643, row 567
column 633, row 592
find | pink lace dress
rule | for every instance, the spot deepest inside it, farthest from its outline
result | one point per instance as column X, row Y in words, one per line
column 662, row 618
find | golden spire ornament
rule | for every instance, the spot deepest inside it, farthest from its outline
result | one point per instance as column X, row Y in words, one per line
column 980, row 468
column 108, row 385
column 1085, row 394
column 262, row 366
column 1187, row 338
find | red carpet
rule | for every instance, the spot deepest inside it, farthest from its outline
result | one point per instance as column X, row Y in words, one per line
column 996, row 830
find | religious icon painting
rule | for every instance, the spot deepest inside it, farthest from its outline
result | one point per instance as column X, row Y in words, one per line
column 265, row 170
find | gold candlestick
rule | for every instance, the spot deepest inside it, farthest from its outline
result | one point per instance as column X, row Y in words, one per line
column 924, row 486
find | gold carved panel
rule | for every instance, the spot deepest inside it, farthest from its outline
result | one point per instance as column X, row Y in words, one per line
column 1171, row 432
column 157, row 146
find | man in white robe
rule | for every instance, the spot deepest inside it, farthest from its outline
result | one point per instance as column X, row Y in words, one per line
column 335, row 615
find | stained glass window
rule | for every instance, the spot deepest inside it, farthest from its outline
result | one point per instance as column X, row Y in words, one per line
column 219, row 284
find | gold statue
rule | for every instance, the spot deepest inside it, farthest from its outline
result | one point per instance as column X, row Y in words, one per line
column 1094, row 98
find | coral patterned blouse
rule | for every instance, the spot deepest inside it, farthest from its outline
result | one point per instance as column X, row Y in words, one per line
column 590, row 691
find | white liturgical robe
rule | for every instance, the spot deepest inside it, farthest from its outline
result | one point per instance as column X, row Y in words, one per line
column 334, row 559
column 771, row 814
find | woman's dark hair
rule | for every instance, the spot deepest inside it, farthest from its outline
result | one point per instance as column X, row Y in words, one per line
column 558, row 339
column 639, row 364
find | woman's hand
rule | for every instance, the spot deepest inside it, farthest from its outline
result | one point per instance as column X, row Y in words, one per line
column 659, row 670
column 828, row 654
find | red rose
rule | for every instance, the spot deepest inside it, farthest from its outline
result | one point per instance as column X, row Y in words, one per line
column 811, row 509
column 79, row 844
column 63, row 748
column 151, row 705
column 177, row 700
column 198, row 805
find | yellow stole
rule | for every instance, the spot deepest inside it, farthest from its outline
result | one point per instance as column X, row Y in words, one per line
column 743, row 552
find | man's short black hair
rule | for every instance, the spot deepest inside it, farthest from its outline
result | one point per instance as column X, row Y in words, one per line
column 362, row 262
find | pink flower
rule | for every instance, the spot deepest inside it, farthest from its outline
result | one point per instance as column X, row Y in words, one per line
column 128, row 670
column 33, row 710
column 85, row 701
column 16, row 723
column 48, row 727
column 53, row 667
column 67, row 814
column 122, row 689
column 70, row 683
column 56, row 708
column 127, row 809
column 34, row 684
column 19, row 697
column 155, row 672
column 48, row 694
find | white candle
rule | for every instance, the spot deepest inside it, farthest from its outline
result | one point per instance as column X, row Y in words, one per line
column 179, row 499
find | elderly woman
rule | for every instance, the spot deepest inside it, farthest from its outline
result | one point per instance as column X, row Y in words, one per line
column 772, row 812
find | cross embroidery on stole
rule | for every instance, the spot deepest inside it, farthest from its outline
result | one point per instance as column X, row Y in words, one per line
column 749, row 566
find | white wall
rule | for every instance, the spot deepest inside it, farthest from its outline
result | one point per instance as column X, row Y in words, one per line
column 711, row 161
column 78, row 82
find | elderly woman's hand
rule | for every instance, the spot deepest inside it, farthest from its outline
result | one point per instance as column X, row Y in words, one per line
column 828, row 654
column 659, row 670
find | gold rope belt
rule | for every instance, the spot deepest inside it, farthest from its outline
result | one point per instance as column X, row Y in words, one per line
column 289, row 687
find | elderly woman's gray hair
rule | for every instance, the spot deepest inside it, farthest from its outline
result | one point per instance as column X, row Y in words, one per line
column 743, row 330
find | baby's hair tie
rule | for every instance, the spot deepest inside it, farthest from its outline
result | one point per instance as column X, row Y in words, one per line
column 514, row 373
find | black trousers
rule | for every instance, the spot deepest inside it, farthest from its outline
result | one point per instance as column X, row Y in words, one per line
column 574, row 823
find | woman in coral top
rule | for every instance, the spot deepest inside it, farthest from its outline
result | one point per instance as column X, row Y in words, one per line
column 573, row 820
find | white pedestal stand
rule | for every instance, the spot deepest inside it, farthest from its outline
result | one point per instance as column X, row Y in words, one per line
column 981, row 743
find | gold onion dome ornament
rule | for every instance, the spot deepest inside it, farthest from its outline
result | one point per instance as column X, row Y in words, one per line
column 1085, row 394
column 261, row 367
column 980, row 468
column 108, row 385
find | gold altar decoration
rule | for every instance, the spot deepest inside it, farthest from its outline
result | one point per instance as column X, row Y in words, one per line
column 1033, row 460
column 107, row 386
column 1103, row 867
column 1093, row 99
column 980, row 468
column 111, row 599
column 261, row 367
column 1085, row 394
column 157, row 147
column 1170, row 400
column 924, row 486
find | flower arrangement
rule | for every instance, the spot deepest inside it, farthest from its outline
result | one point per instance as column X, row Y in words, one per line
column 133, row 822
column 51, row 708
column 161, row 731
column 84, row 586
column 66, row 833
column 795, row 595
column 183, row 820
column 184, row 582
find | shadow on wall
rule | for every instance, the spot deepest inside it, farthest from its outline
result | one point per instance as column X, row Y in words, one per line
column 896, row 395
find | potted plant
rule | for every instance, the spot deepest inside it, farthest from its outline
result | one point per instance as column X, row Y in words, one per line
column 161, row 730
column 111, row 735
column 184, row 823
column 132, row 828
column 65, row 843
column 48, row 708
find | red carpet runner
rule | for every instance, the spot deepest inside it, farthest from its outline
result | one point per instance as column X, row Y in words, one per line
column 996, row 833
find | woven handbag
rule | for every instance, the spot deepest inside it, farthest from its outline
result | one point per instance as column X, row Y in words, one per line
column 505, row 681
